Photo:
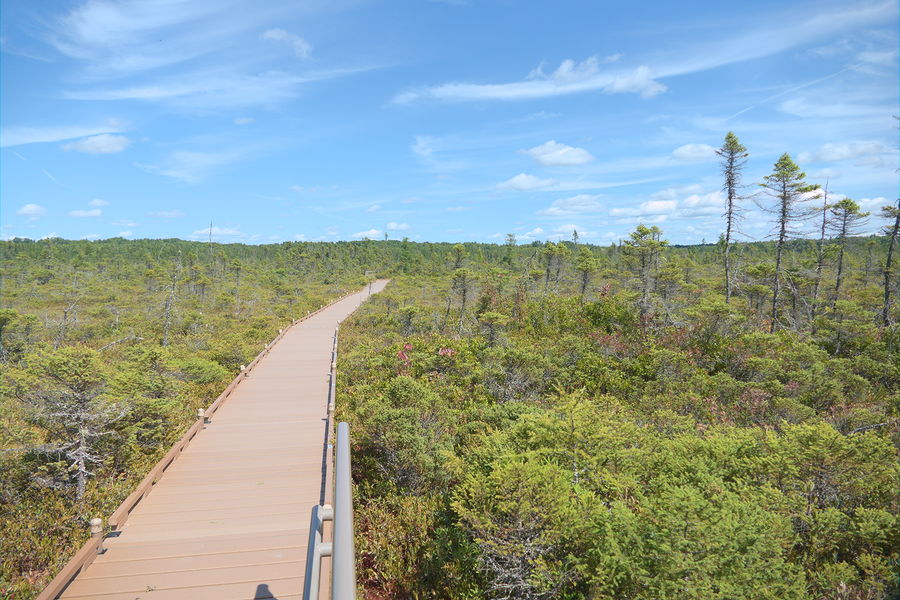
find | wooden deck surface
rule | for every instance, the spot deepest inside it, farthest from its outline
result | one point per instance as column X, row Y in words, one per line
column 229, row 520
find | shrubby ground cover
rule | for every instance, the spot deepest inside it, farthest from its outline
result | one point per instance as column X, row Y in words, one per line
column 634, row 436
column 552, row 420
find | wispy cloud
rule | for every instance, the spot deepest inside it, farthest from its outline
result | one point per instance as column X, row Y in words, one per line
column 574, row 205
column 98, row 202
column 93, row 212
column 369, row 233
column 17, row 136
column 190, row 167
column 103, row 143
column 301, row 48
column 125, row 36
column 193, row 55
column 525, row 182
column 778, row 33
column 833, row 152
column 570, row 77
column 167, row 214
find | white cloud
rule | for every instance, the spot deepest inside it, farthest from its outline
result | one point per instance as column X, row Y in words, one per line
column 831, row 108
column 777, row 33
column 873, row 204
column 885, row 58
column 168, row 214
column 215, row 89
column 32, row 211
column 647, row 209
column 565, row 232
column 94, row 212
column 98, row 202
column 103, row 143
column 124, row 223
column 371, row 233
column 373, row 208
column 219, row 233
column 423, row 146
column 244, row 120
column 301, row 47
column 570, row 77
column 534, row 234
column 575, row 205
column 17, row 136
column 834, row 152
column 525, row 182
column 694, row 152
column 826, row 173
column 552, row 153
column 91, row 236
column 675, row 202
column 125, row 233
column 393, row 226
column 190, row 167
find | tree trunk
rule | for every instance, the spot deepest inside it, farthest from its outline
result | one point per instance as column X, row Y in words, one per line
column 886, row 309
column 462, row 308
column 782, row 235
column 820, row 259
column 840, row 263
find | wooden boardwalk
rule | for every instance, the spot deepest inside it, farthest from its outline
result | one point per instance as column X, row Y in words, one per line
column 229, row 519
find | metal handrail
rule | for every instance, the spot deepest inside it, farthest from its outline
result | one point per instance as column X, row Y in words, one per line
column 316, row 549
column 343, row 558
column 343, row 562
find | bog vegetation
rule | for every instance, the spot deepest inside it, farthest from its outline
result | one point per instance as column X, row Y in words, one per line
column 550, row 420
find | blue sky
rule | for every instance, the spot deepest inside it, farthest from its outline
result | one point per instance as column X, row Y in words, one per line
column 440, row 121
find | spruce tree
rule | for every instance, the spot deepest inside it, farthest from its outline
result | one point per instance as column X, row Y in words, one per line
column 734, row 158
column 786, row 186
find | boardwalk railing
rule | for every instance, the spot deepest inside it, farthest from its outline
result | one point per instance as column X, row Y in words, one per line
column 89, row 551
column 343, row 559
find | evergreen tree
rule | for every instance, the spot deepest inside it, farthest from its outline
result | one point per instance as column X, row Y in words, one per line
column 734, row 158
column 786, row 186
column 847, row 220
column 892, row 213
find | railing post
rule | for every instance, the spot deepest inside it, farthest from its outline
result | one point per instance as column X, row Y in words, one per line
column 315, row 550
column 97, row 533
column 343, row 562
